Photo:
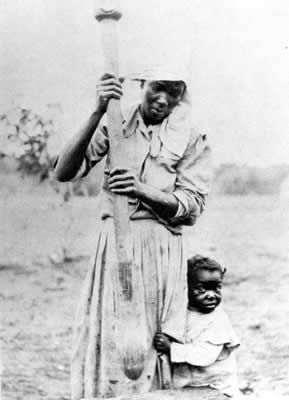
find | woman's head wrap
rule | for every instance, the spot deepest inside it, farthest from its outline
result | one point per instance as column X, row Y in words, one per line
column 166, row 72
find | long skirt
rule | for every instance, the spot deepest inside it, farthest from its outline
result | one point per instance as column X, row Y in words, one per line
column 160, row 283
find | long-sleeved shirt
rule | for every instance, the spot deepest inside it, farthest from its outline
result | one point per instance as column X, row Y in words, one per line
column 206, row 358
column 174, row 162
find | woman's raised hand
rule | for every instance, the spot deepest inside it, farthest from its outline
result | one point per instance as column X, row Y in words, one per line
column 108, row 87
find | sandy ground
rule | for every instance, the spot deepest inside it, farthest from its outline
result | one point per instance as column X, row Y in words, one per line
column 45, row 248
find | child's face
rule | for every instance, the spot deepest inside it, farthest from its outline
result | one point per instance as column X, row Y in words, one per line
column 205, row 290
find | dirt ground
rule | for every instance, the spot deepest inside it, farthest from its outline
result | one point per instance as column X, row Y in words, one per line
column 45, row 248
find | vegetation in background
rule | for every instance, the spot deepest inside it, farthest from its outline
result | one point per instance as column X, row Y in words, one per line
column 25, row 138
column 231, row 179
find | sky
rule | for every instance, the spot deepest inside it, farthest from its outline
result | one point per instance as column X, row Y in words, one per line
column 238, row 50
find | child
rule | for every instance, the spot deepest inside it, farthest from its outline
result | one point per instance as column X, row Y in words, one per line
column 206, row 358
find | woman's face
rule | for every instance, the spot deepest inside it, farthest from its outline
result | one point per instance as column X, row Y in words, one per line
column 159, row 99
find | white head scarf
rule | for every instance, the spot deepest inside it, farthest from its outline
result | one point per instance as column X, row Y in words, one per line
column 168, row 72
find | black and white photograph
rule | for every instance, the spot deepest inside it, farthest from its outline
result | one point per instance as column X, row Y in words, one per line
column 144, row 199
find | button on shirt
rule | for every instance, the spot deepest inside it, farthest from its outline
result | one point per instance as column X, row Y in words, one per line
column 174, row 162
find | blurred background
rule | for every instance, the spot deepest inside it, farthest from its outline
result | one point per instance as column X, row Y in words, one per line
column 238, row 61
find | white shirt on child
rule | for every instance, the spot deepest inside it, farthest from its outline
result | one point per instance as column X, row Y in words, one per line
column 206, row 358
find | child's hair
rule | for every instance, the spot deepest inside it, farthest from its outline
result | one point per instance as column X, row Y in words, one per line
column 198, row 262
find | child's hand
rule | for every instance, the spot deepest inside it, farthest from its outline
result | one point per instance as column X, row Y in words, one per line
column 162, row 343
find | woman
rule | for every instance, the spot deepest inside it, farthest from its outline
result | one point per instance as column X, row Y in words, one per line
column 166, row 183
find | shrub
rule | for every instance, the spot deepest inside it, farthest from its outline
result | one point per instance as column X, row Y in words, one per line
column 232, row 179
column 24, row 137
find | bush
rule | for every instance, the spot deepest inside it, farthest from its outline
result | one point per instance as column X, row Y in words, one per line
column 231, row 179
column 25, row 136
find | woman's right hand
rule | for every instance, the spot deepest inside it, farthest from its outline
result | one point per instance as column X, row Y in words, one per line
column 108, row 87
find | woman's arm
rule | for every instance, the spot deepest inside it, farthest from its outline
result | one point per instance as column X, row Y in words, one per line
column 194, row 176
column 71, row 158
column 186, row 203
column 164, row 204
column 124, row 181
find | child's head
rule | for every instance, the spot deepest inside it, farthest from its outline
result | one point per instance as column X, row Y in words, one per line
column 205, row 278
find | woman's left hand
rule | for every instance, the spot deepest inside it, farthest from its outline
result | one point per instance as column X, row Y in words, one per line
column 125, row 181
